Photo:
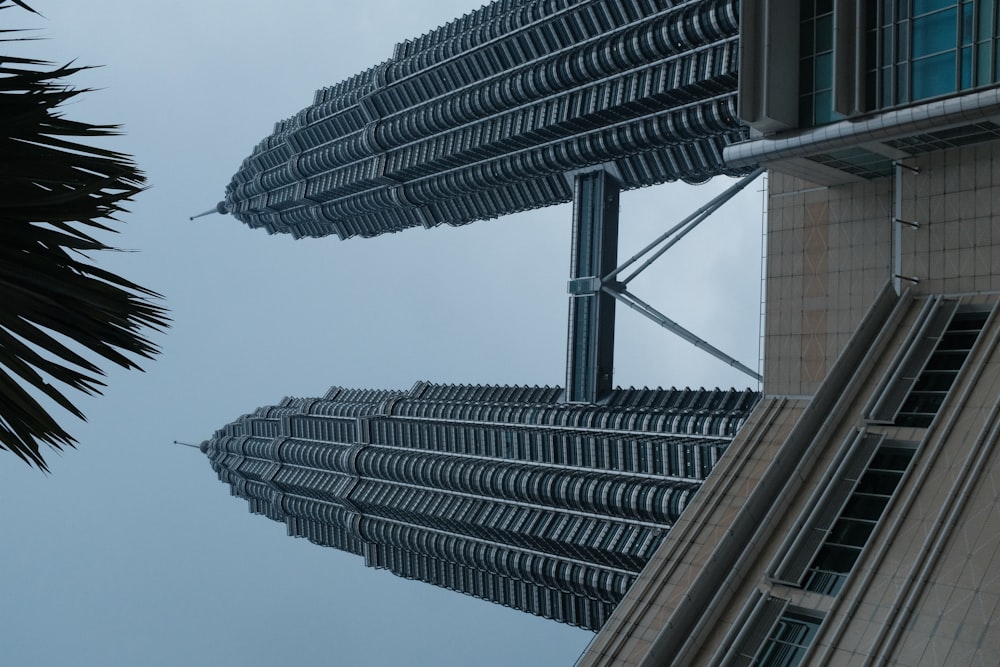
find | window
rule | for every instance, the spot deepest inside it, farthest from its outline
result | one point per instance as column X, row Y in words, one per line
column 772, row 634
column 920, row 49
column 816, row 63
column 941, row 370
column 799, row 552
column 789, row 640
column 928, row 364
column 858, row 518
column 912, row 50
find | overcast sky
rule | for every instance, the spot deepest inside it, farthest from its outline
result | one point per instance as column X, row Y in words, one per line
column 131, row 552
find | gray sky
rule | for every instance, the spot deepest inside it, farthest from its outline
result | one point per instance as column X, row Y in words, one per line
column 132, row 552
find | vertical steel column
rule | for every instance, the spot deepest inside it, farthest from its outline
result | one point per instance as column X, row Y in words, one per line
column 590, row 345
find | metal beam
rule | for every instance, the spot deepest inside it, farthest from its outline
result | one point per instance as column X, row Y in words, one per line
column 644, row 308
column 682, row 228
column 897, row 228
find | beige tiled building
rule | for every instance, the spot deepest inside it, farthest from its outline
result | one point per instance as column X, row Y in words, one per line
column 855, row 520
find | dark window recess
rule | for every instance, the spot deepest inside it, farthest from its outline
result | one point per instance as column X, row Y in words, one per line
column 928, row 329
column 765, row 613
column 857, row 520
column 774, row 634
column 825, row 513
column 938, row 375
column 929, row 361
column 789, row 640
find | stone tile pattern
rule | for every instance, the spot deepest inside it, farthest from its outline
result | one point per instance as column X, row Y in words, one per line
column 926, row 591
column 829, row 252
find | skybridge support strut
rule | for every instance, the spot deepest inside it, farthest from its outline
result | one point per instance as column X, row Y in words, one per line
column 594, row 283
column 640, row 306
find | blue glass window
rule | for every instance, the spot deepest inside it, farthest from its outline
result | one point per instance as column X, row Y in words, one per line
column 921, row 49
column 934, row 33
column 816, row 63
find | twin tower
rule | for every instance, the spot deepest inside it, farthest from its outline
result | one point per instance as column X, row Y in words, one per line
column 546, row 500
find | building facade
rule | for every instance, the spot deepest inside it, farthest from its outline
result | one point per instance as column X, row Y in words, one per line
column 487, row 115
column 503, row 493
column 855, row 519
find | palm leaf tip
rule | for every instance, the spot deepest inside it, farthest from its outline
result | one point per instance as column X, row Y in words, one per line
column 61, row 315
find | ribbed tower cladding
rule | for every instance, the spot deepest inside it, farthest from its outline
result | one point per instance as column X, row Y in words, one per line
column 503, row 493
column 488, row 114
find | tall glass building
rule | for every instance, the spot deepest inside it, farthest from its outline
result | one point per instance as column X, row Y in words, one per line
column 854, row 517
column 503, row 493
column 488, row 115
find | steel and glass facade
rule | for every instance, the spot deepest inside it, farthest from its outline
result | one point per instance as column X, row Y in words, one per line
column 504, row 493
column 912, row 50
column 487, row 115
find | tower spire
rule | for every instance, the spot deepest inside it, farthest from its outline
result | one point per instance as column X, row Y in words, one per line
column 186, row 444
column 219, row 208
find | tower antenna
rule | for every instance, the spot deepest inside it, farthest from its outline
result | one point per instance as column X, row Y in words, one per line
column 219, row 208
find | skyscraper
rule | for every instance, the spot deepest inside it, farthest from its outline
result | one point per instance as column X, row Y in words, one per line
column 853, row 519
column 503, row 493
column 488, row 115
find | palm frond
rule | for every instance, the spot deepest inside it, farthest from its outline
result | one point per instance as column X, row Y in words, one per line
column 58, row 312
